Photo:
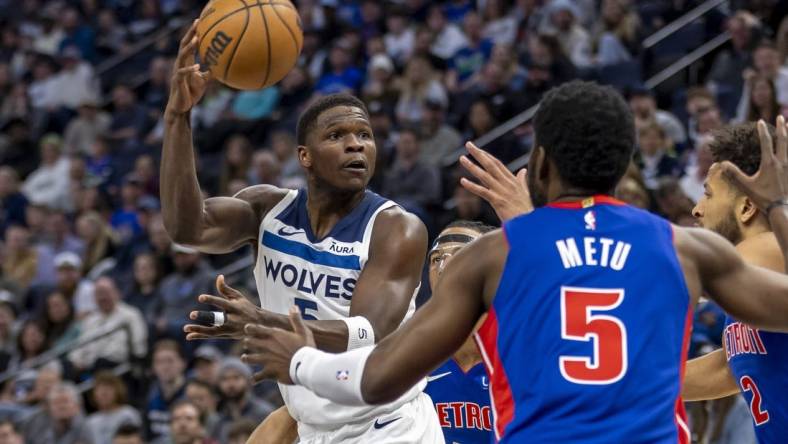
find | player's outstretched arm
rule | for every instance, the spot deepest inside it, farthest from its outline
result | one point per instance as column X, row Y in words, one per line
column 277, row 428
column 751, row 294
column 217, row 225
column 383, row 373
column 708, row 377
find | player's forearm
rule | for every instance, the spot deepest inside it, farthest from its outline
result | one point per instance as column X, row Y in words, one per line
column 330, row 336
column 181, row 199
column 778, row 219
column 708, row 377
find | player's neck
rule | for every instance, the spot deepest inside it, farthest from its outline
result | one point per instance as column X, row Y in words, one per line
column 754, row 230
column 326, row 207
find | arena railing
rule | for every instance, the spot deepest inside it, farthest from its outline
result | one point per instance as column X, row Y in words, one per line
column 689, row 17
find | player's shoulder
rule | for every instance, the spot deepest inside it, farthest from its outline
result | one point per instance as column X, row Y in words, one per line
column 762, row 250
column 397, row 224
column 262, row 197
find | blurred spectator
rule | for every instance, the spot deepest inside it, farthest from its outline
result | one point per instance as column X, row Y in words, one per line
column 411, row 183
column 448, row 37
column 672, row 203
column 380, row 84
column 192, row 277
column 265, row 169
column 23, row 263
column 110, row 35
column 342, row 75
column 77, row 34
column 146, row 171
column 12, row 202
column 156, row 91
column 82, row 131
column 9, row 433
column 205, row 365
column 313, row 52
column 767, row 62
column 58, row 321
column 130, row 337
column 160, row 245
column 168, row 387
column 514, row 74
column 129, row 118
column 470, row 58
column 97, row 237
column 692, row 182
column 125, row 220
column 17, row 149
column 252, row 106
column 237, row 400
column 284, row 147
column 58, row 234
column 563, row 23
column 61, row 420
column 48, row 185
column 500, row 27
column 240, row 430
column 204, row 397
column 143, row 292
column 188, row 425
column 438, row 139
column 237, row 158
column 8, row 328
column 729, row 65
column 50, row 35
column 400, row 36
column 76, row 81
column 616, row 37
column 644, row 108
column 763, row 100
column 655, row 158
column 128, row 434
column 112, row 411
column 69, row 282
column 43, row 89
column 30, row 343
column 419, row 85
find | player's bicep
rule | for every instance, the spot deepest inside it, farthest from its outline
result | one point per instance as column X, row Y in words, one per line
column 436, row 331
column 227, row 223
column 749, row 293
column 392, row 274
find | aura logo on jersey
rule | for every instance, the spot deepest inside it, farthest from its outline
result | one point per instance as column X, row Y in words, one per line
column 318, row 284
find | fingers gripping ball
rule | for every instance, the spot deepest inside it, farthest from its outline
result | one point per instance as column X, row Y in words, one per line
column 249, row 44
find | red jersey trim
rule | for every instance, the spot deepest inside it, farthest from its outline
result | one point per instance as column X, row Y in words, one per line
column 680, row 418
column 500, row 391
column 597, row 199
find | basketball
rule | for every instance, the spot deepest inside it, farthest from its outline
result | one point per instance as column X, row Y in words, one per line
column 249, row 44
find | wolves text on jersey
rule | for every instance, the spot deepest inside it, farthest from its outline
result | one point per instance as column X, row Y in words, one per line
column 318, row 284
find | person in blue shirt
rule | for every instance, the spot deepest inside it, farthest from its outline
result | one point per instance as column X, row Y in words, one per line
column 459, row 388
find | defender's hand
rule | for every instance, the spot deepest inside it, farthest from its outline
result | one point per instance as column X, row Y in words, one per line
column 188, row 82
column 238, row 311
column 273, row 348
column 770, row 183
column 505, row 192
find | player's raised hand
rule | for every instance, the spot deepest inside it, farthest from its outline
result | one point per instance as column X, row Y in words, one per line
column 188, row 82
column 769, row 185
column 505, row 192
column 273, row 348
column 238, row 311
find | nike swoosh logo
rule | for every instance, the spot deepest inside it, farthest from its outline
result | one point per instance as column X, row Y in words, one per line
column 283, row 232
column 436, row 377
column 380, row 425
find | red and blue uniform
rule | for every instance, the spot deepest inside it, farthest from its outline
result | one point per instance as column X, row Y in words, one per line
column 759, row 362
column 462, row 402
column 587, row 335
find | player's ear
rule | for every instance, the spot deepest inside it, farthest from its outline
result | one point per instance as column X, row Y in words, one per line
column 304, row 157
column 746, row 210
column 540, row 164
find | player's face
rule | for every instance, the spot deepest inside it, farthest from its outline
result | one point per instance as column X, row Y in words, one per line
column 716, row 209
column 442, row 254
column 341, row 149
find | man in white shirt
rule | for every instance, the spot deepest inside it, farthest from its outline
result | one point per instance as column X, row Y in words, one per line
column 119, row 347
column 76, row 82
column 49, row 184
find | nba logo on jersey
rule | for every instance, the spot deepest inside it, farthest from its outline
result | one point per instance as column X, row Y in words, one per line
column 590, row 220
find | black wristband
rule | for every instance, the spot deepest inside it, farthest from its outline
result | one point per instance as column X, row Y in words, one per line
column 775, row 204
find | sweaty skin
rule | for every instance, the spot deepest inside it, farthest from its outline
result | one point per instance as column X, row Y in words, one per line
column 222, row 224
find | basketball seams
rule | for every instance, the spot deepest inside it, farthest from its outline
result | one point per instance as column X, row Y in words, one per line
column 233, row 12
column 290, row 31
column 238, row 42
column 268, row 45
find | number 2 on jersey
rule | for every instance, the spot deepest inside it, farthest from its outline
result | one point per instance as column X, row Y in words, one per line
column 580, row 321
column 758, row 415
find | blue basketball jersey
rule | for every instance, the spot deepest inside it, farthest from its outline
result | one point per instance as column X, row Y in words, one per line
column 462, row 401
column 759, row 361
column 586, row 338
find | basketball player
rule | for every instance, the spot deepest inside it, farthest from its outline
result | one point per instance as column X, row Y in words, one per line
column 459, row 388
column 588, row 300
column 751, row 360
column 348, row 258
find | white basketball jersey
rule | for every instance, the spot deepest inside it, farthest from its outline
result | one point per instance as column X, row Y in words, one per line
column 318, row 276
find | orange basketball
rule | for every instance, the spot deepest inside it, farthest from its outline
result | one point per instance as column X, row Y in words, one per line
column 249, row 44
